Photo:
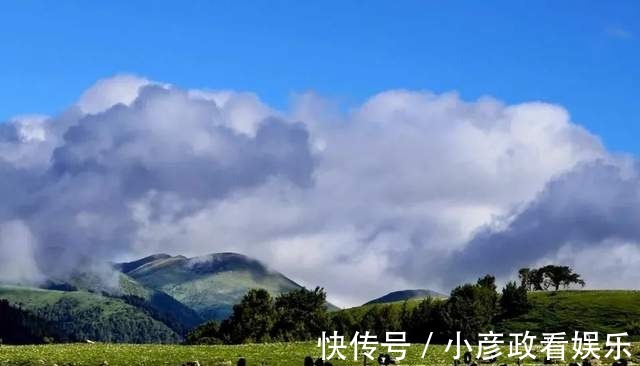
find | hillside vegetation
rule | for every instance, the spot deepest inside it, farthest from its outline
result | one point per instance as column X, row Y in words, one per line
column 78, row 316
column 607, row 311
column 211, row 284
column 604, row 311
column 268, row 354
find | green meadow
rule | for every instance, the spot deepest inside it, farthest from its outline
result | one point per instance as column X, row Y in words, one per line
column 271, row 354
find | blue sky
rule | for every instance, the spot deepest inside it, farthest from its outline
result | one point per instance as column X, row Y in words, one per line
column 583, row 55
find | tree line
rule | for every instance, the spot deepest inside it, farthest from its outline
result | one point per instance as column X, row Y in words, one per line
column 302, row 315
column 19, row 326
column 64, row 321
column 294, row 316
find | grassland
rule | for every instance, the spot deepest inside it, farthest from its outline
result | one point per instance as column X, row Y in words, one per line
column 605, row 311
column 274, row 354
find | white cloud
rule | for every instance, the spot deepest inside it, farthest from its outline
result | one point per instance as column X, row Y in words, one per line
column 105, row 93
column 361, row 202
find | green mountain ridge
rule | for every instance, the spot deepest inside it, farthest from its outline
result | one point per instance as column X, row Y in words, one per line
column 163, row 296
column 157, row 299
column 209, row 284
column 161, row 306
column 78, row 316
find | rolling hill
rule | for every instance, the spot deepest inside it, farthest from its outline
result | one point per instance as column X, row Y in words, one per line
column 210, row 284
column 87, row 306
column 155, row 299
column 76, row 316
column 161, row 306
column 406, row 295
column 160, row 297
column 605, row 311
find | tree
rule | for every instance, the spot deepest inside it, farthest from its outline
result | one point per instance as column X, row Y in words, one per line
column 550, row 276
column 524, row 275
column 380, row 319
column 207, row 333
column 344, row 323
column 556, row 276
column 427, row 316
column 488, row 282
column 471, row 308
column 405, row 316
column 536, row 278
column 252, row 319
column 301, row 315
column 514, row 300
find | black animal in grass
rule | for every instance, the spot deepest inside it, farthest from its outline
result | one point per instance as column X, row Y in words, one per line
column 308, row 361
column 385, row 360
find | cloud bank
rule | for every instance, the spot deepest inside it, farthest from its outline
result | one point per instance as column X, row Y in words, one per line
column 408, row 189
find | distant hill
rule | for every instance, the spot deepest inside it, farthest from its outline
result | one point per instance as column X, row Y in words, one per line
column 406, row 295
column 76, row 316
column 210, row 284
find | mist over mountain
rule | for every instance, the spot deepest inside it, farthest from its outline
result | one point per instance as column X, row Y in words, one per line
column 209, row 284
column 390, row 194
column 156, row 299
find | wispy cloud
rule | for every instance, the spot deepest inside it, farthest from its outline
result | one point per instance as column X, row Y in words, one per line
column 618, row 32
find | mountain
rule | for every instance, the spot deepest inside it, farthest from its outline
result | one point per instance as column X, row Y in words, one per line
column 76, row 316
column 156, row 299
column 104, row 308
column 406, row 295
column 163, row 307
column 158, row 304
column 209, row 284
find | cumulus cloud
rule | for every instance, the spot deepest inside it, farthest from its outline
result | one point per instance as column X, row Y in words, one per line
column 163, row 144
column 105, row 93
column 593, row 206
column 408, row 189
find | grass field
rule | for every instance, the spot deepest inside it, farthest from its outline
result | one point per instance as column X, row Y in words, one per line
column 605, row 311
column 274, row 354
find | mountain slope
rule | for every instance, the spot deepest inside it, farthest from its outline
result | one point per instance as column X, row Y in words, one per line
column 158, row 304
column 79, row 315
column 170, row 311
column 405, row 295
column 210, row 284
